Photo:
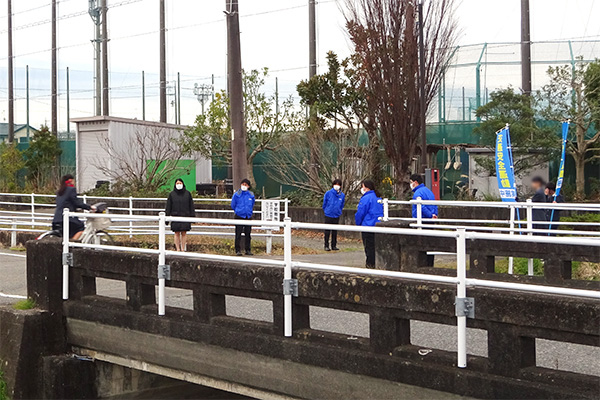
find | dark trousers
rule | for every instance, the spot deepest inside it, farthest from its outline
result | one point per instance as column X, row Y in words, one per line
column 333, row 234
column 245, row 229
column 75, row 225
column 368, row 239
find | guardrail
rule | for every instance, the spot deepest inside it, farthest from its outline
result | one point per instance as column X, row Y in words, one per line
column 35, row 221
column 515, row 223
column 464, row 305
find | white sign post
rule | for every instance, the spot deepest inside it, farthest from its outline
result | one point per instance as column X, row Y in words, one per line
column 270, row 211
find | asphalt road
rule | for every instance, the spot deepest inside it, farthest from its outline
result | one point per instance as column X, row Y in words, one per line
column 556, row 355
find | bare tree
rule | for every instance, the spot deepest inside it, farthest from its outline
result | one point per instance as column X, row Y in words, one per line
column 384, row 34
column 145, row 162
column 266, row 122
column 334, row 134
column 341, row 156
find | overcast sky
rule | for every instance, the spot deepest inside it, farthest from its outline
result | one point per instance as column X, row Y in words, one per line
column 273, row 33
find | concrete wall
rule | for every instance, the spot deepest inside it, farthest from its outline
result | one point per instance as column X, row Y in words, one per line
column 207, row 343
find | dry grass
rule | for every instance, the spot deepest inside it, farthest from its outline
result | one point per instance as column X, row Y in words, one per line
column 211, row 245
column 586, row 271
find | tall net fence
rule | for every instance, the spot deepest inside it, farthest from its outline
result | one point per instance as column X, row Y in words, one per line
column 479, row 69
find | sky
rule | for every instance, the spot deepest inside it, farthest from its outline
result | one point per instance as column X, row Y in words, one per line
column 274, row 34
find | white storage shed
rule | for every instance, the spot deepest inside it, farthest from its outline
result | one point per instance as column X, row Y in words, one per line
column 96, row 137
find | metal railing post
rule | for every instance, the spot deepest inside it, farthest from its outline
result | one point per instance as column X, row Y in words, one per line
column 286, row 208
column 13, row 233
column 511, row 260
column 386, row 209
column 287, row 275
column 66, row 256
column 529, row 228
column 461, row 293
column 32, row 210
column 161, row 262
column 130, row 214
column 419, row 213
column 269, row 241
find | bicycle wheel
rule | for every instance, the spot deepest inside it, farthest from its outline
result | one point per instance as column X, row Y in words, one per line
column 103, row 237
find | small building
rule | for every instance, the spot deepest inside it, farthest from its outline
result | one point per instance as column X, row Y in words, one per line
column 110, row 147
column 483, row 184
column 22, row 135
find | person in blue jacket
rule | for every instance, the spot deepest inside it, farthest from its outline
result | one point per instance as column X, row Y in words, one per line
column 242, row 204
column 333, row 204
column 367, row 214
column 427, row 210
column 422, row 191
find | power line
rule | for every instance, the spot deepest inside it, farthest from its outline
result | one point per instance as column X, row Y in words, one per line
column 66, row 16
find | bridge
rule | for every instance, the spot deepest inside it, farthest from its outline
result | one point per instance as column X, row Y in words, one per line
column 283, row 349
column 405, row 330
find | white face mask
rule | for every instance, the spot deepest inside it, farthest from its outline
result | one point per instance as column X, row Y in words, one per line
column 244, row 188
column 337, row 187
column 363, row 190
column 179, row 186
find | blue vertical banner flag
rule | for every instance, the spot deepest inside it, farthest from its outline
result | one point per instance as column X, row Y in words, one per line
column 561, row 170
column 505, row 172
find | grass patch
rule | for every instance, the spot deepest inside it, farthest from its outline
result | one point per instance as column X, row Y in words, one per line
column 18, row 248
column 3, row 387
column 212, row 245
column 26, row 304
column 519, row 266
column 586, row 271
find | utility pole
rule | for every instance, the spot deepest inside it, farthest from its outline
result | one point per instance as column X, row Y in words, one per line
column 312, row 39
column 236, row 99
column 105, row 87
column 423, row 106
column 163, row 64
column 95, row 11
column 54, row 102
column 27, row 97
column 11, row 99
column 68, row 106
column 203, row 92
column 525, row 49
column 276, row 96
column 178, row 99
column 143, row 96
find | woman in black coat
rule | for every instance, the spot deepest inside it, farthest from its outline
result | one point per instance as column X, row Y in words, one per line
column 180, row 204
column 66, row 197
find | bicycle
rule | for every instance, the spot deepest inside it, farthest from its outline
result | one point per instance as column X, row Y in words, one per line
column 94, row 232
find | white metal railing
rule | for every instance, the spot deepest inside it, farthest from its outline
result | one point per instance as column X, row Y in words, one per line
column 461, row 281
column 514, row 217
column 33, row 203
column 38, row 218
column 525, row 225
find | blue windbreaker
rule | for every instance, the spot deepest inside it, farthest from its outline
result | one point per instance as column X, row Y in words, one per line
column 242, row 203
column 369, row 209
column 429, row 210
column 333, row 203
